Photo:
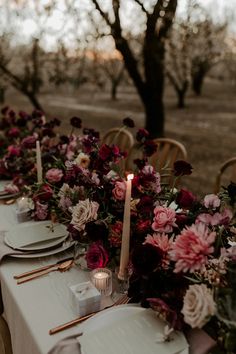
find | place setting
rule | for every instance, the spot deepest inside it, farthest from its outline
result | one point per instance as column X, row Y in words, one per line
column 34, row 239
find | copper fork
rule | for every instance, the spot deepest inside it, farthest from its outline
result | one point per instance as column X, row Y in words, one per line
column 121, row 301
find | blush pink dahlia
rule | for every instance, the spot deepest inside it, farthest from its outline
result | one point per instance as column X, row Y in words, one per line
column 164, row 219
column 192, row 247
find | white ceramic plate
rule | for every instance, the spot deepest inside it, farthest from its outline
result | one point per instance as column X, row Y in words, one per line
column 38, row 246
column 65, row 246
column 109, row 317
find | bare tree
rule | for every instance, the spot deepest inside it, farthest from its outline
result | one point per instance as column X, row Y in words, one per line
column 178, row 60
column 114, row 69
column 150, row 83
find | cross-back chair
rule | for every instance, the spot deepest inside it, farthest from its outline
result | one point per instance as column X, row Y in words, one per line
column 168, row 151
column 226, row 174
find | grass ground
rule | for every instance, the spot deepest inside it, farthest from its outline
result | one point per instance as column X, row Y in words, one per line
column 207, row 126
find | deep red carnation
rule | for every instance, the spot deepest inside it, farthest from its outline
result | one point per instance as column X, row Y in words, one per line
column 182, row 168
column 104, row 152
column 185, row 199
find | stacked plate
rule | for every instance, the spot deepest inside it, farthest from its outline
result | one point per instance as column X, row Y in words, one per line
column 37, row 239
column 4, row 194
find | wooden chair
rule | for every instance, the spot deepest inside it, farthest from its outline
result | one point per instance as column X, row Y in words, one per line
column 226, row 174
column 120, row 137
column 168, row 151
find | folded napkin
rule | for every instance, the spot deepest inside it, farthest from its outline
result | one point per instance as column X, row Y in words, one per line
column 37, row 232
column 6, row 250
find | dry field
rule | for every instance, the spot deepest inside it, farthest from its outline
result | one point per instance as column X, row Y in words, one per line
column 207, row 126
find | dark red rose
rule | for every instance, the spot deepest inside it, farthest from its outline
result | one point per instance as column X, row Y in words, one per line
column 140, row 163
column 48, row 132
column 104, row 152
column 142, row 135
column 181, row 219
column 56, row 122
column 76, row 122
column 13, row 132
column 149, row 147
column 143, row 226
column 97, row 230
column 182, row 168
column 145, row 204
column 37, row 113
column 4, row 110
column 44, row 193
column 128, row 122
column 96, row 256
column 29, row 142
column 185, row 199
column 146, row 258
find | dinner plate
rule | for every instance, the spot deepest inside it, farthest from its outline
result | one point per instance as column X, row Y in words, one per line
column 35, row 236
column 65, row 246
column 100, row 327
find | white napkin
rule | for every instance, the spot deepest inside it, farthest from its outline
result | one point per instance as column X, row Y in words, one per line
column 136, row 334
column 29, row 234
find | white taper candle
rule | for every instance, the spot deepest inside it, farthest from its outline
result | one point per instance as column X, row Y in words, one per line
column 124, row 253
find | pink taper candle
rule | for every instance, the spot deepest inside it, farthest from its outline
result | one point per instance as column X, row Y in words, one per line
column 124, row 253
column 39, row 163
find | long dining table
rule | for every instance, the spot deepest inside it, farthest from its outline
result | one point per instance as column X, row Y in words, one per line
column 31, row 309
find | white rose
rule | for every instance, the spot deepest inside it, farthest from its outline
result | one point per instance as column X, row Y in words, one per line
column 82, row 160
column 84, row 212
column 198, row 305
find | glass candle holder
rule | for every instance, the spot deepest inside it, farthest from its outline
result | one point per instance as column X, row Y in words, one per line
column 102, row 280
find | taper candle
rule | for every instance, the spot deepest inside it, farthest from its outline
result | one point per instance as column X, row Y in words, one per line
column 39, row 163
column 124, row 253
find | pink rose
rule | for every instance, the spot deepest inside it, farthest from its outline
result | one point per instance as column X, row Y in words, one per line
column 119, row 190
column 164, row 219
column 54, row 175
column 211, row 201
column 97, row 256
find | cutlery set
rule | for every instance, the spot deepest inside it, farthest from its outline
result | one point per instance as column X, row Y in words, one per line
column 62, row 266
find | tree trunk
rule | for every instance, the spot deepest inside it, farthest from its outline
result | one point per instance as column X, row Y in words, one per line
column 154, row 53
column 197, row 83
column 154, row 110
column 181, row 97
column 34, row 100
column 114, row 91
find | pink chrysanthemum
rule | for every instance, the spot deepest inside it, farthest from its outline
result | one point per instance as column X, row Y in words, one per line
column 160, row 240
column 192, row 247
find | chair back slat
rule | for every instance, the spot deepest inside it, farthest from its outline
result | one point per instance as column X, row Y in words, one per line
column 226, row 174
column 122, row 138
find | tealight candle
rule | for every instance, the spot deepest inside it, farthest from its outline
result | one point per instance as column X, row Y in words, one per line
column 102, row 280
column 22, row 204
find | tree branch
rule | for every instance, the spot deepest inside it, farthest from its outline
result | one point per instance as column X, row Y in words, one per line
column 142, row 7
column 102, row 13
column 168, row 17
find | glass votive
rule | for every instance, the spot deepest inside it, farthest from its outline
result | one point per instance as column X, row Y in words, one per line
column 102, row 280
